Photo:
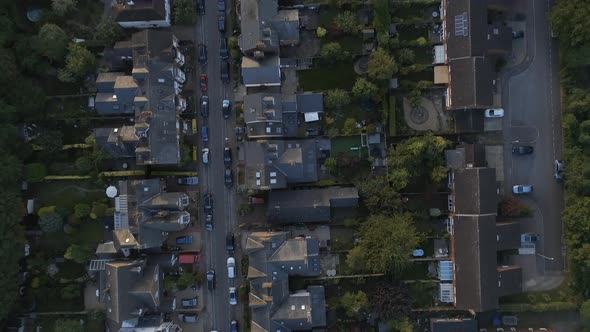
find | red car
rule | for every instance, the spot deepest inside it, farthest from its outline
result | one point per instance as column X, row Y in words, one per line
column 203, row 82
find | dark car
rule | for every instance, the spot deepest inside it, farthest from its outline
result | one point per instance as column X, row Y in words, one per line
column 201, row 7
column 229, row 243
column 522, row 150
column 208, row 204
column 205, row 106
column 205, row 133
column 221, row 22
column 229, row 178
column 233, row 326
column 517, row 34
column 211, row 279
column 188, row 318
column 227, row 157
column 223, row 50
column 209, row 222
column 202, row 54
column 225, row 107
column 225, row 71
column 559, row 167
column 221, row 6
column 203, row 82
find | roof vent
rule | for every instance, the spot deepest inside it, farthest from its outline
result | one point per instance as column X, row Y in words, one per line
column 161, row 80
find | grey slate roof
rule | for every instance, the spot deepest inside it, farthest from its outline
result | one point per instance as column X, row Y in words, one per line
column 145, row 212
column 308, row 205
column 261, row 72
column 509, row 280
column 273, row 164
column 475, row 191
column 151, row 94
column 141, row 10
column 255, row 23
column 471, row 81
column 507, row 235
column 310, row 102
column 465, row 155
column 272, row 259
column 466, row 23
column 475, row 263
column 132, row 289
column 453, row 325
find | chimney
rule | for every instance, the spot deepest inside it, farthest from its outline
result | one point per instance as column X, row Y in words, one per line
column 258, row 55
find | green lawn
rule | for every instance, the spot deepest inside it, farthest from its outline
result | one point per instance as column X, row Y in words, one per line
column 410, row 32
column 415, row 271
column 64, row 194
column 422, row 294
column 343, row 144
column 325, row 78
column 342, row 238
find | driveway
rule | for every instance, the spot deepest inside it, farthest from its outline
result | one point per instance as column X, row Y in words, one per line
column 531, row 98
column 218, row 313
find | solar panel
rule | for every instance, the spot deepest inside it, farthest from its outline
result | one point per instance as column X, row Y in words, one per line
column 461, row 25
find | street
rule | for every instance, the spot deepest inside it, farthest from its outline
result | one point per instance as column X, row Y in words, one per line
column 217, row 313
column 532, row 100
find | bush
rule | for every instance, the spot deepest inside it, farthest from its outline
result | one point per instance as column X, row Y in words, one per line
column 81, row 210
column 84, row 165
column 511, row 206
column 98, row 210
column 51, row 222
column 184, row 12
column 36, row 172
column 321, row 32
column 46, row 209
column 346, row 22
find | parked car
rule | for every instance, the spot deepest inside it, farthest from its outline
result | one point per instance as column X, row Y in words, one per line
column 184, row 239
column 494, row 113
column 228, row 178
column 190, row 180
column 522, row 150
column 221, row 6
column 201, row 7
column 231, row 267
column 223, row 48
column 225, row 71
column 233, row 326
column 209, row 222
column 205, row 106
column 522, row 189
column 208, row 203
column 529, row 238
column 517, row 34
column 227, row 157
column 189, row 303
column 202, row 54
column 203, row 82
column 559, row 167
column 188, row 318
column 221, row 22
column 205, row 155
column 211, row 279
column 225, row 107
column 205, row 133
column 229, row 243
column 233, row 299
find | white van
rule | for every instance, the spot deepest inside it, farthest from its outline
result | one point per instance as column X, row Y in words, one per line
column 231, row 267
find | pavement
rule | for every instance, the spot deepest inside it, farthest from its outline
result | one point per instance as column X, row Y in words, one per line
column 217, row 313
column 531, row 98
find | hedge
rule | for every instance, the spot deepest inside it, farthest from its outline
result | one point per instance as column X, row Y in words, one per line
column 538, row 307
column 174, row 173
column 67, row 177
column 392, row 118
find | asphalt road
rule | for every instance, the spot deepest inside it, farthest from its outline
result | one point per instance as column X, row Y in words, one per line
column 532, row 101
column 218, row 312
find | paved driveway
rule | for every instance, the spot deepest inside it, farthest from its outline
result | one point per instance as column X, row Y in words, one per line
column 218, row 313
column 531, row 98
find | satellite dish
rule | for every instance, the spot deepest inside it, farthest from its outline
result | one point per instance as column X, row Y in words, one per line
column 111, row 191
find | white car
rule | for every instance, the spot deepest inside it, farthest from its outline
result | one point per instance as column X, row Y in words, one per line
column 205, row 155
column 522, row 189
column 231, row 267
column 494, row 113
column 233, row 299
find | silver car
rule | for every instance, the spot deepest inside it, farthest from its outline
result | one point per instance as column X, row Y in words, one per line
column 233, row 299
column 520, row 189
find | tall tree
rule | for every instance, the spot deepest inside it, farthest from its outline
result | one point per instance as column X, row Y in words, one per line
column 333, row 53
column 184, row 12
column 381, row 65
column 570, row 19
column 62, row 7
column 364, row 89
column 52, row 42
column 386, row 244
column 416, row 159
column 79, row 62
column 379, row 195
column 51, row 222
column 391, row 301
column 335, row 99
column 354, row 303
column 108, row 32
column 346, row 22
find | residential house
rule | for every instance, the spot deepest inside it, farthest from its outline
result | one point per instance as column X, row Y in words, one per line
column 453, row 325
column 144, row 216
column 475, row 278
column 151, row 94
column 273, row 258
column 309, row 205
column 265, row 29
column 133, row 291
column 270, row 115
column 470, row 46
column 142, row 14
column 273, row 164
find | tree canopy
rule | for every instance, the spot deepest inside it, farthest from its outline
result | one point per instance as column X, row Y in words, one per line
column 79, row 62
column 391, row 301
column 381, row 65
column 354, row 303
column 79, row 253
column 108, row 32
column 386, row 244
column 51, row 222
column 52, row 42
column 184, row 12
column 379, row 195
column 332, row 53
column 364, row 89
column 346, row 22
column 335, row 99
column 416, row 159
